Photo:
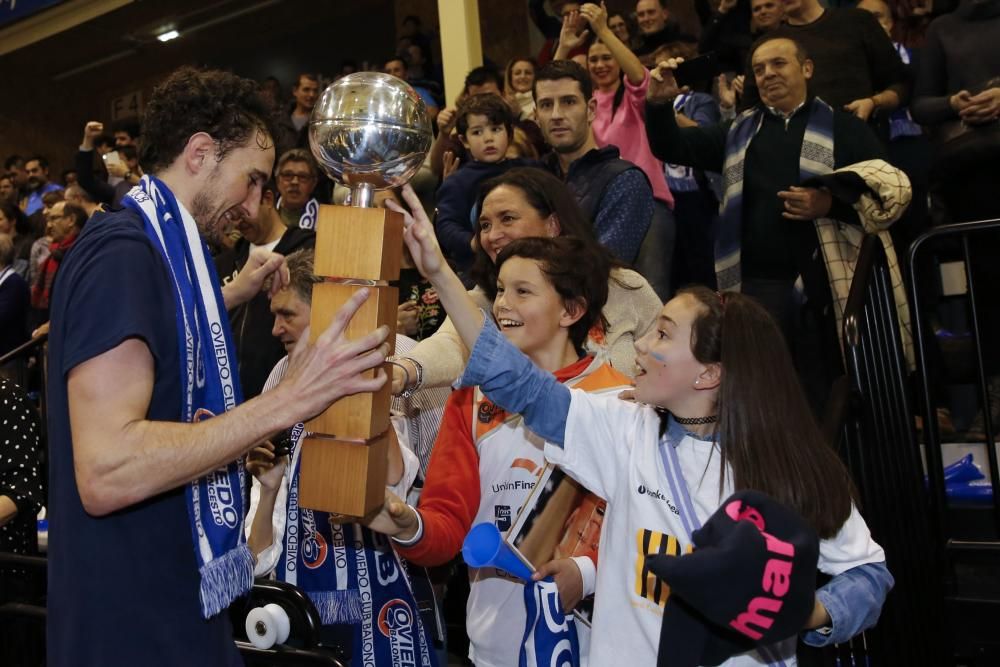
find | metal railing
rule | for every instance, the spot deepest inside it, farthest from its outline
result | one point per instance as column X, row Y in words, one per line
column 880, row 448
column 969, row 537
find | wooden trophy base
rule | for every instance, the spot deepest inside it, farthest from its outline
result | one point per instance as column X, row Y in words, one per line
column 346, row 478
column 361, row 416
column 345, row 458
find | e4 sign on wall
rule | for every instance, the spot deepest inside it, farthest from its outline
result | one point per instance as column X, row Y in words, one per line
column 127, row 106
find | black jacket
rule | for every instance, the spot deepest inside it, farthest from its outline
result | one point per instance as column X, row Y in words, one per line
column 257, row 351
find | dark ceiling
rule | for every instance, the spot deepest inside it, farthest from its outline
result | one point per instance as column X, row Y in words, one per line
column 238, row 34
column 52, row 87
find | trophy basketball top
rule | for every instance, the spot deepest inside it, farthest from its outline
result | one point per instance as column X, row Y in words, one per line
column 369, row 131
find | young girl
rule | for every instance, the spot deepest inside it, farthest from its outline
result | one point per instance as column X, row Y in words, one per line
column 718, row 409
column 550, row 292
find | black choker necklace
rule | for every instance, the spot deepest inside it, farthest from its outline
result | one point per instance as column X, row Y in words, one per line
column 694, row 421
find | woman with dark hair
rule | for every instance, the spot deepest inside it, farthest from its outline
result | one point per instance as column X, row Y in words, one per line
column 719, row 409
column 519, row 77
column 13, row 221
column 522, row 203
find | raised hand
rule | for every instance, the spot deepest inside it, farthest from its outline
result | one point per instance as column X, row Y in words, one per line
column 727, row 92
column 446, row 120
column 419, row 235
column 738, row 84
column 451, row 164
column 569, row 39
column 663, row 86
column 596, row 16
column 91, row 131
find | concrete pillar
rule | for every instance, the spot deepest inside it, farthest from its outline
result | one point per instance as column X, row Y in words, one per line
column 461, row 44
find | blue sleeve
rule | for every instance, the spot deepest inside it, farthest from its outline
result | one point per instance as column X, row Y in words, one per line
column 426, row 96
column 704, row 110
column 624, row 214
column 517, row 385
column 451, row 224
column 854, row 600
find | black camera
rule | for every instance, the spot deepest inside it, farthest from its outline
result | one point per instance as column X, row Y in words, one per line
column 283, row 443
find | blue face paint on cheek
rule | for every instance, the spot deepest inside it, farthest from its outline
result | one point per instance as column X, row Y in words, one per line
column 659, row 357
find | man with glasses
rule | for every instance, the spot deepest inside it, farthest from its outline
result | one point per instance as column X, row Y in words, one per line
column 257, row 351
column 64, row 221
column 297, row 176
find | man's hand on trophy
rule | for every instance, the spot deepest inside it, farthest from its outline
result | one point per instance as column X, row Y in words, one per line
column 419, row 235
column 396, row 518
column 321, row 373
column 263, row 269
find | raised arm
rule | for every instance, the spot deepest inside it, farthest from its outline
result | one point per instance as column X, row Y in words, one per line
column 427, row 255
column 597, row 17
column 122, row 458
column 698, row 147
column 506, row 375
column 569, row 38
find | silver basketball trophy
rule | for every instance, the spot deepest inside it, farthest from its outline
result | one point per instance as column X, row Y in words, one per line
column 369, row 131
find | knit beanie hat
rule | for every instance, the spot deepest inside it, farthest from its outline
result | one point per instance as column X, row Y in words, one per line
column 750, row 581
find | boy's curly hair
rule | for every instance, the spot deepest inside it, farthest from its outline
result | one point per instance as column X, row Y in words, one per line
column 191, row 100
column 491, row 105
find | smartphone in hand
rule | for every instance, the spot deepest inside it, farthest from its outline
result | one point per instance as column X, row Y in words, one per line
column 112, row 158
column 697, row 70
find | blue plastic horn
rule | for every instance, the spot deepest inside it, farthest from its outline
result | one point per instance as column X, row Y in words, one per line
column 484, row 547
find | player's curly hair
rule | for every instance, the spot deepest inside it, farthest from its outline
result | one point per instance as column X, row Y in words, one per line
column 192, row 100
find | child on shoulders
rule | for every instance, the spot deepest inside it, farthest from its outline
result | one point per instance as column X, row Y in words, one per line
column 485, row 126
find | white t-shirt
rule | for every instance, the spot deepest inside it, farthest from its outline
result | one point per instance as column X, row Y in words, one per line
column 613, row 448
column 511, row 458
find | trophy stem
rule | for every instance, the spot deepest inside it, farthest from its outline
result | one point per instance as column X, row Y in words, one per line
column 363, row 195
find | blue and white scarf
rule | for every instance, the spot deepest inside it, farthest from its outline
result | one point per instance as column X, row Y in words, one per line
column 815, row 159
column 550, row 637
column 354, row 577
column 209, row 386
column 770, row 655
